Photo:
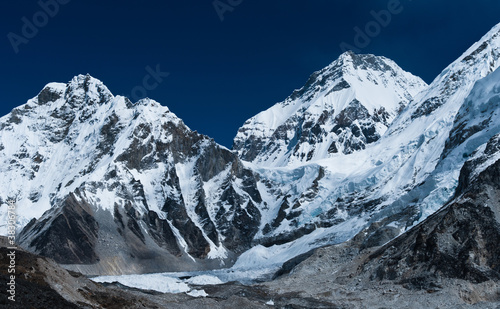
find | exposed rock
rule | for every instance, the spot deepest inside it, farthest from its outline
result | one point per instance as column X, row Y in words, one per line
column 164, row 235
column 48, row 94
column 460, row 241
column 67, row 234
column 198, row 245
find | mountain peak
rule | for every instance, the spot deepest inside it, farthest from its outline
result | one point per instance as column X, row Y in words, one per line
column 87, row 89
column 350, row 57
column 344, row 59
column 328, row 109
column 85, row 82
column 351, row 69
column 81, row 89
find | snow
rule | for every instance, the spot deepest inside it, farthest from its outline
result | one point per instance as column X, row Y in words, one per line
column 164, row 282
column 197, row 293
column 171, row 282
column 204, row 280
column 156, row 282
column 481, row 108
column 58, row 87
column 271, row 258
column 190, row 183
column 213, row 191
column 181, row 241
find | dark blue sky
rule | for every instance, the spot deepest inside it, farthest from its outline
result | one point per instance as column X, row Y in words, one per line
column 222, row 72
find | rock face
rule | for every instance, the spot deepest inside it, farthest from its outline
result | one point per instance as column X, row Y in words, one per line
column 69, row 233
column 460, row 241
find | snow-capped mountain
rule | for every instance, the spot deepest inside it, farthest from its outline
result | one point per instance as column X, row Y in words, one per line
column 430, row 123
column 400, row 179
column 112, row 183
column 461, row 240
column 341, row 109
column 121, row 187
